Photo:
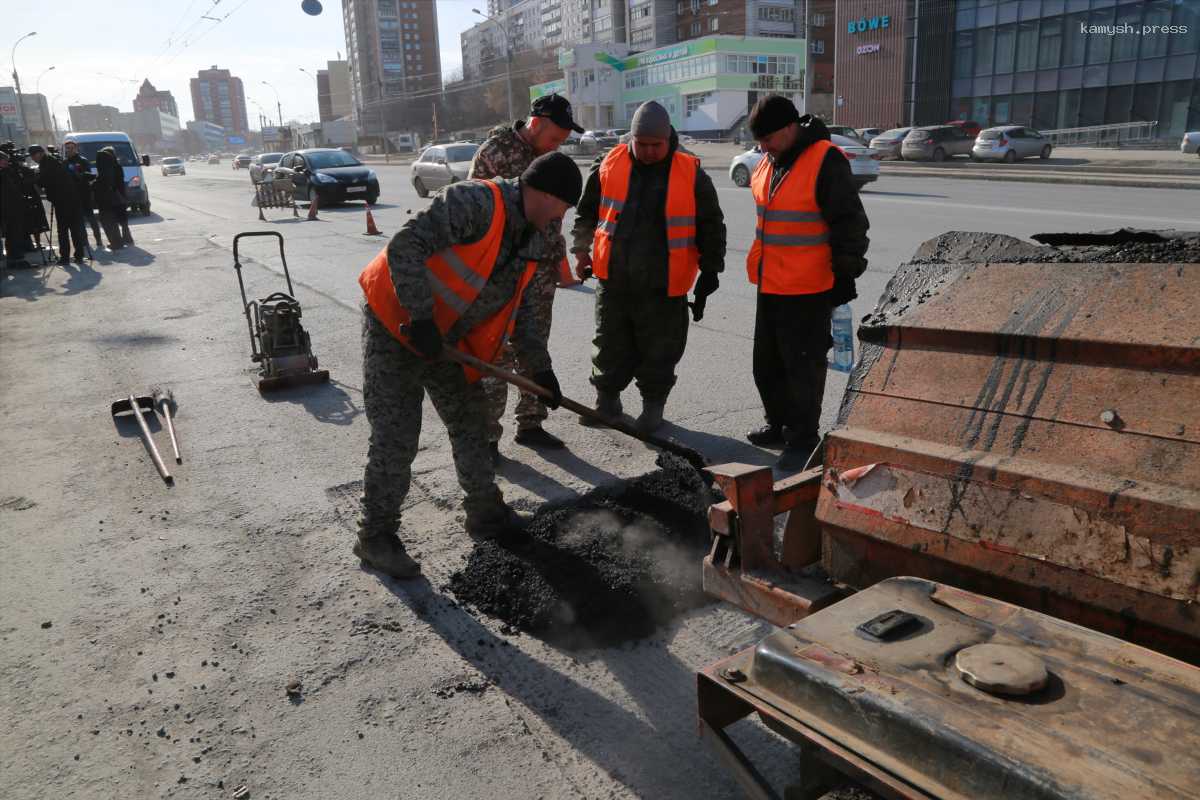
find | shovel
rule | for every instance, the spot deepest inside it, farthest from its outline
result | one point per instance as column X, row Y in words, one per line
column 165, row 401
column 138, row 406
column 698, row 461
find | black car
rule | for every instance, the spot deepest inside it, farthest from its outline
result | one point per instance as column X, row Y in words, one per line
column 333, row 175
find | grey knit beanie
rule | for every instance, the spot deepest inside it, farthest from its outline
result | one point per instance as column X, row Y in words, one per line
column 651, row 120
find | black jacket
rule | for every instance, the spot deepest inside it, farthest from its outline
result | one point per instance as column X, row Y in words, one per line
column 58, row 183
column 110, row 179
column 837, row 197
column 639, row 255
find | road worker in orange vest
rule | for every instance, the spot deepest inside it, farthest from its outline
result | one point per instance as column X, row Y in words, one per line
column 809, row 246
column 454, row 276
column 648, row 227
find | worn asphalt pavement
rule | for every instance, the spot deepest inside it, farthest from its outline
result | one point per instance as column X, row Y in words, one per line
column 147, row 633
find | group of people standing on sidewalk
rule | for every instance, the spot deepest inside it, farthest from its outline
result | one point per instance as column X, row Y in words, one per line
column 477, row 271
column 74, row 192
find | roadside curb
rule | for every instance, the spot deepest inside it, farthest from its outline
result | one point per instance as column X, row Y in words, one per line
column 1133, row 181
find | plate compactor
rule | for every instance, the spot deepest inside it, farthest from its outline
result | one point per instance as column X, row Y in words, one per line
column 278, row 342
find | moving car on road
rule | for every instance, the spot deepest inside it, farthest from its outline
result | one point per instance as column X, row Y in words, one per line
column 262, row 167
column 1190, row 144
column 214, row 159
column 442, row 165
column 242, row 161
column 172, row 166
column 936, row 143
column 888, row 143
column 1008, row 143
column 329, row 174
column 864, row 162
column 136, row 193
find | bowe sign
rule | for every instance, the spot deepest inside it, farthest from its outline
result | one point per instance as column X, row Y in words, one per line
column 864, row 24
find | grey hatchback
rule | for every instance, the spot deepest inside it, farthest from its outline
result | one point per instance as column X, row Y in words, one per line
column 936, row 143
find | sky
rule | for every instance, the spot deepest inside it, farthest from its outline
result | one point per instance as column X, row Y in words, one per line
column 104, row 57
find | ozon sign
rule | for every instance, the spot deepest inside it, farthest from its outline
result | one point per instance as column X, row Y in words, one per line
column 864, row 24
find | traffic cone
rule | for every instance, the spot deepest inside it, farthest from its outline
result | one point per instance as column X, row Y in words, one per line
column 371, row 229
column 312, row 207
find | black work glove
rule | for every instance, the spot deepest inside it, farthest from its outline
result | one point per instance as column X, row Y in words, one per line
column 706, row 284
column 547, row 380
column 426, row 338
column 843, row 291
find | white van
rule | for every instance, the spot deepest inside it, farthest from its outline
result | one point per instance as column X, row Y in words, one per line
column 136, row 192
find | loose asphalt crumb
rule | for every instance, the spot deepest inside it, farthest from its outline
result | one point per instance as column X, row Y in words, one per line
column 609, row 567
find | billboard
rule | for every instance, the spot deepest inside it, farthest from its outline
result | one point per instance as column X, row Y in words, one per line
column 10, row 114
column 235, row 139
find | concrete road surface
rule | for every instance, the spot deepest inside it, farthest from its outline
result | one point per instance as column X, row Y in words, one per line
column 147, row 634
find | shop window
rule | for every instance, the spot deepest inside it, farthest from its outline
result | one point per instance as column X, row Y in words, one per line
column 1045, row 105
column 985, row 40
column 1091, row 107
column 692, row 102
column 1145, row 103
column 1068, row 109
column 1050, row 44
column 981, row 112
column 1022, row 109
column 1006, row 48
column 1027, row 36
column 1119, row 104
column 1001, row 110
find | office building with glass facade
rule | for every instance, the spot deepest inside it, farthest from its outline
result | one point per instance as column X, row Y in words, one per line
column 1073, row 63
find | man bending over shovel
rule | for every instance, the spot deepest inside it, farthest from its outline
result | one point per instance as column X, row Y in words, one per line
column 454, row 275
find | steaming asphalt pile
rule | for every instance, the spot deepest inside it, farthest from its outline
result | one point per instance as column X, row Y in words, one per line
column 607, row 568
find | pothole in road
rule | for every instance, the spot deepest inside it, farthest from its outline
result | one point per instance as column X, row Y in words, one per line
column 609, row 567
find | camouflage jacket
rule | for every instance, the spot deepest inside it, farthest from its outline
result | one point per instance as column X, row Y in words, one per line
column 460, row 215
column 506, row 155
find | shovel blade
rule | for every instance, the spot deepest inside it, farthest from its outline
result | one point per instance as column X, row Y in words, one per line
column 122, row 407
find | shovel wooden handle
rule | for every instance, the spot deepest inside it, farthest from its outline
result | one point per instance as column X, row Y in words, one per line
column 524, row 384
column 141, row 421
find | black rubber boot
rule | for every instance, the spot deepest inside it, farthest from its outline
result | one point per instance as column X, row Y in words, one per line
column 497, row 522
column 608, row 404
column 539, row 438
column 651, row 418
column 767, row 436
column 386, row 553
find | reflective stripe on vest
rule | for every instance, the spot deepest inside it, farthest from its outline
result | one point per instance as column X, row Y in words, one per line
column 683, row 258
column 790, row 253
column 456, row 277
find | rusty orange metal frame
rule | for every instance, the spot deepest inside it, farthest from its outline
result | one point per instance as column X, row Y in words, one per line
column 744, row 566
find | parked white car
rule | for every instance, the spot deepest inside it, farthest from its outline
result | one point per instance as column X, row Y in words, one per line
column 1190, row 144
column 1009, row 143
column 442, row 165
column 864, row 162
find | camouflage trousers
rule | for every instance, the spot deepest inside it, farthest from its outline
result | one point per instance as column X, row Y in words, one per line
column 530, row 411
column 395, row 381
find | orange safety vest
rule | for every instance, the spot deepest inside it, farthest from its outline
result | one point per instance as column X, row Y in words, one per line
column 456, row 275
column 791, row 253
column 683, row 258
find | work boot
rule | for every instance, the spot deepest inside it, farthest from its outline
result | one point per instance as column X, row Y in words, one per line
column 767, row 436
column 651, row 418
column 494, row 453
column 386, row 553
column 796, row 454
column 539, row 438
column 499, row 521
column 607, row 404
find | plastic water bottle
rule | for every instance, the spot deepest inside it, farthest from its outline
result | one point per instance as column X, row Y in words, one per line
column 841, row 327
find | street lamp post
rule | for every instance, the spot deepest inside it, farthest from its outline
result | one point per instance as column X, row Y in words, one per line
column 17, row 83
column 278, row 105
column 387, row 159
column 37, row 90
column 507, row 58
